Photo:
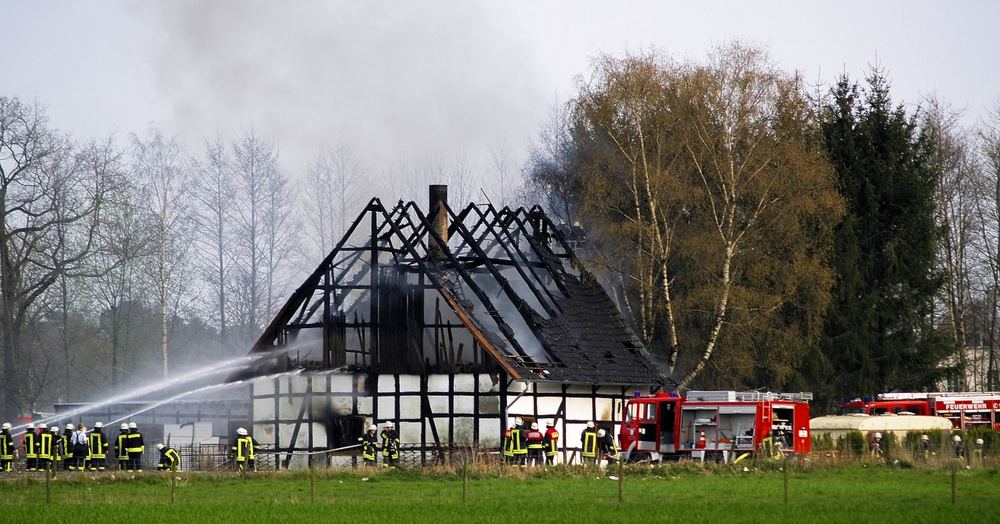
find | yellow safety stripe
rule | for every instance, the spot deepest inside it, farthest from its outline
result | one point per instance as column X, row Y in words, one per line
column 589, row 444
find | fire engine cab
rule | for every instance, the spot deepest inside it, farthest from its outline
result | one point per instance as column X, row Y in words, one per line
column 715, row 425
column 965, row 410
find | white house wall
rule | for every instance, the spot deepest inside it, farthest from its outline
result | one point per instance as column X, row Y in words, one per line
column 431, row 412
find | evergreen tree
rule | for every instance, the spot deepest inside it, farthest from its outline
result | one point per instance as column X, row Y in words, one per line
column 879, row 333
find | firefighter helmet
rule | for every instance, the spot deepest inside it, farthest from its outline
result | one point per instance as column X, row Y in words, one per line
column 979, row 442
column 71, row 427
column 42, row 426
column 6, row 425
column 590, row 424
column 124, row 426
column 133, row 425
column 924, row 437
column 551, row 423
column 98, row 425
column 878, row 435
column 54, row 429
column 518, row 421
column 159, row 446
column 241, row 432
column 31, row 425
column 390, row 424
column 534, row 425
column 373, row 427
column 601, row 433
column 956, row 438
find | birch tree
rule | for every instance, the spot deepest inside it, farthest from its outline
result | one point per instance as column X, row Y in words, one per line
column 215, row 196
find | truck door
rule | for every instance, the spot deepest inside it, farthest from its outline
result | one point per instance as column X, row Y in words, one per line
column 668, row 425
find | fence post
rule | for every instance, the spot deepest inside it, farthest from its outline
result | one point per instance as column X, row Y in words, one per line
column 465, row 478
column 312, row 481
column 784, row 469
column 954, row 483
column 48, row 490
column 621, row 481
column 173, row 484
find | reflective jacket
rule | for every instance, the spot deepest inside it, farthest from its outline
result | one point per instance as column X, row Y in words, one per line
column 589, row 439
column 517, row 441
column 29, row 443
column 67, row 446
column 245, row 448
column 45, row 446
column 369, row 445
column 607, row 445
column 121, row 445
column 170, row 458
column 390, row 443
column 58, row 447
column 535, row 439
column 135, row 443
column 551, row 442
column 508, row 443
column 98, row 448
column 6, row 445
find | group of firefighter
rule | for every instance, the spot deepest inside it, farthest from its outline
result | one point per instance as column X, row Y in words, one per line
column 926, row 451
column 527, row 445
column 387, row 441
column 80, row 449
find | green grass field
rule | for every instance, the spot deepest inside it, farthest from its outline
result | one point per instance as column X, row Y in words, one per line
column 685, row 493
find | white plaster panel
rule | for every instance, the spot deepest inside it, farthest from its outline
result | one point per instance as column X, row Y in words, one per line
column 441, row 423
column 263, row 409
column 464, row 404
column 489, row 405
column 548, row 406
column 579, row 409
column 613, row 391
column 264, row 433
column 386, row 407
column 465, row 382
column 409, row 383
column 548, row 387
column 301, row 440
column 409, row 406
column 264, row 387
column 437, row 383
column 409, row 432
column 439, row 404
column 364, row 405
column 319, row 435
column 386, row 383
column 464, row 431
column 300, row 383
column 573, row 433
column 605, row 407
column 341, row 406
column 319, row 382
column 486, row 383
column 523, row 405
column 288, row 408
column 489, row 432
column 341, row 383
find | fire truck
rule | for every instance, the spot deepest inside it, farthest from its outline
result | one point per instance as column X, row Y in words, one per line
column 965, row 410
column 718, row 425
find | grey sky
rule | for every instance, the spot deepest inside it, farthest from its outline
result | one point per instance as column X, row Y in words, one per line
column 402, row 79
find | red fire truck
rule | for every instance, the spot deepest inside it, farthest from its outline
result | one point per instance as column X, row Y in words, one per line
column 965, row 410
column 715, row 425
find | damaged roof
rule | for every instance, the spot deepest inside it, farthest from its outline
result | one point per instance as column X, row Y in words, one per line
column 508, row 276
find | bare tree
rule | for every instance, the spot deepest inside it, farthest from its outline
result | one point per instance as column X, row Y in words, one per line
column 159, row 163
column 988, row 215
column 332, row 194
column 215, row 196
column 44, row 185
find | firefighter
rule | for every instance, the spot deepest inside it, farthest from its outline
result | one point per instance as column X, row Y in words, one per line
column 58, row 447
column 245, row 451
column 44, row 448
column 29, row 444
column 390, row 446
column 875, row 446
column 589, row 440
column 519, row 445
column 606, row 446
column 369, row 445
column 98, row 448
column 551, row 442
column 121, row 447
column 7, row 448
column 536, row 445
column 67, row 447
column 508, row 444
column 959, row 447
column 925, row 446
column 135, row 448
column 978, row 451
column 169, row 458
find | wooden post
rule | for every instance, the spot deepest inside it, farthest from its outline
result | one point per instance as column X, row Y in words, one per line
column 173, row 484
column 465, row 479
column 784, row 469
column 312, row 482
column 621, row 482
column 48, row 490
column 954, row 483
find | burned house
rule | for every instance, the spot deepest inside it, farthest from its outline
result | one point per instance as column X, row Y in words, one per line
column 447, row 324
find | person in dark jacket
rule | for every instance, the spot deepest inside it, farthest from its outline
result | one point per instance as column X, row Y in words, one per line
column 369, row 445
column 29, row 444
column 589, row 441
column 390, row 446
column 606, row 446
column 536, row 445
column 551, row 443
column 121, row 448
column 136, row 447
column 169, row 458
column 97, row 449
column 7, row 449
column 69, row 461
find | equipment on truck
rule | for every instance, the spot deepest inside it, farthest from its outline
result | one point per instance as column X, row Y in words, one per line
column 715, row 425
column 965, row 410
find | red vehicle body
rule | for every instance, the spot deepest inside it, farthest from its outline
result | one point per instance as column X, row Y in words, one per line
column 965, row 410
column 666, row 426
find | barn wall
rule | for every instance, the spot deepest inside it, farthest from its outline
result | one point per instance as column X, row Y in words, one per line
column 328, row 410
